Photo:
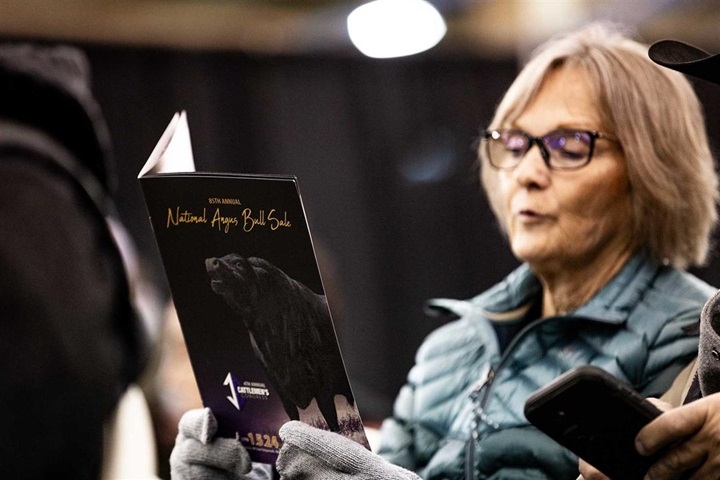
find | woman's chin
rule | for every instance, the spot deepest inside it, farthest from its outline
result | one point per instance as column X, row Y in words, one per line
column 531, row 252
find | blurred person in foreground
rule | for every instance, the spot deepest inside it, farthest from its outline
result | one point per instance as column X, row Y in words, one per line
column 691, row 432
column 606, row 195
column 71, row 340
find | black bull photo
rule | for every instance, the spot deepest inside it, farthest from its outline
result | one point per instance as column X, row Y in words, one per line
column 290, row 330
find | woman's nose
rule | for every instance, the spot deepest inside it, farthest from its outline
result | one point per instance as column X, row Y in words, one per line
column 533, row 169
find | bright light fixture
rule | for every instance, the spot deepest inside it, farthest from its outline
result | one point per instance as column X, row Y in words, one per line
column 395, row 28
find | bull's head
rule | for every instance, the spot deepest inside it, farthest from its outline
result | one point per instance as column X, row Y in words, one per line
column 233, row 278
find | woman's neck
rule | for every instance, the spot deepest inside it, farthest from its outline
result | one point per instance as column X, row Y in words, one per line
column 565, row 289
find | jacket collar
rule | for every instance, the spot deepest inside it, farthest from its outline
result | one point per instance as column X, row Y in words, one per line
column 511, row 298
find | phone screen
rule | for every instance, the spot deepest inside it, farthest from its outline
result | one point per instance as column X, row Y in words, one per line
column 597, row 417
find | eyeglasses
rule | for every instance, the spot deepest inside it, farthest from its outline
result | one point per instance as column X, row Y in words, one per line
column 562, row 149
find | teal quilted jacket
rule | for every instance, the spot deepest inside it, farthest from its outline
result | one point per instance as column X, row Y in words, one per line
column 460, row 415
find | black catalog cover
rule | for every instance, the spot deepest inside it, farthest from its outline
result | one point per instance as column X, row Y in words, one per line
column 244, row 279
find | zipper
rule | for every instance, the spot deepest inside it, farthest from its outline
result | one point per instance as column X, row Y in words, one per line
column 478, row 397
column 481, row 393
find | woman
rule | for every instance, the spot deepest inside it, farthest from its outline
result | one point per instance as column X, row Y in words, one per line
column 605, row 195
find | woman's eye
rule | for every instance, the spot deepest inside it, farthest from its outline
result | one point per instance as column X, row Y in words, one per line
column 515, row 146
column 572, row 155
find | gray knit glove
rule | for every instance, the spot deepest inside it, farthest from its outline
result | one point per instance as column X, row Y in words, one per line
column 197, row 455
column 314, row 454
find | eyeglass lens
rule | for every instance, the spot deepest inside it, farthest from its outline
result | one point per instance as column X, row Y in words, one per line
column 565, row 149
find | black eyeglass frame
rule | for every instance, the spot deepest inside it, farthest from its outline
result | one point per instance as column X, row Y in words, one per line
column 540, row 142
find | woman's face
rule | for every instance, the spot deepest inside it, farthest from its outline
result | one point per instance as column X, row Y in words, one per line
column 560, row 219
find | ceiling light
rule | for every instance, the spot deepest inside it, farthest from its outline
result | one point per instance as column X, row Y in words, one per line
column 395, row 28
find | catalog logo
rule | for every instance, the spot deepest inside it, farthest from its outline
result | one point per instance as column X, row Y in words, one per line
column 241, row 392
column 232, row 383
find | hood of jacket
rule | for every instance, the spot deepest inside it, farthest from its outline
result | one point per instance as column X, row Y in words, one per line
column 48, row 88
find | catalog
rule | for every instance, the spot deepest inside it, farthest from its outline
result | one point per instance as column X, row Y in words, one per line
column 244, row 279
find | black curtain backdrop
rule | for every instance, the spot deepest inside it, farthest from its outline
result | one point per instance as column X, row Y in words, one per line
column 383, row 150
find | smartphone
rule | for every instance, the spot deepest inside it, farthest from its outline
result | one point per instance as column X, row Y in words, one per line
column 597, row 417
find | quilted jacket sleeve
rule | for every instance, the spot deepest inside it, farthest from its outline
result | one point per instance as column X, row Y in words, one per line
column 397, row 433
column 672, row 347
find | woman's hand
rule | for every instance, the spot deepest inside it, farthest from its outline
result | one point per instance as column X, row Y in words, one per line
column 309, row 452
column 198, row 455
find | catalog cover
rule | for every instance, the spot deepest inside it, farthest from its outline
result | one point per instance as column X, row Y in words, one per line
column 243, row 275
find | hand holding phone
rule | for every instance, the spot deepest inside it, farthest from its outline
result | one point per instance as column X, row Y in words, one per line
column 597, row 417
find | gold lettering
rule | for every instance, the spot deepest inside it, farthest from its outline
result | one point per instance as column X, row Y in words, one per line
column 185, row 216
column 223, row 223
column 250, row 221
column 276, row 223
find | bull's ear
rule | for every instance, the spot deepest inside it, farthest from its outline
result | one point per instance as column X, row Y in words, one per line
column 261, row 272
column 258, row 262
column 262, row 268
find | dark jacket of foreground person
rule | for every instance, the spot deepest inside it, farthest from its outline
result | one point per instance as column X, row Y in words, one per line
column 70, row 342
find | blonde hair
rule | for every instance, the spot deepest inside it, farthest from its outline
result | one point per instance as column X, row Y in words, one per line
column 658, row 120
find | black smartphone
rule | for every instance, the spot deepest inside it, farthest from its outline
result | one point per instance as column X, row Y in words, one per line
column 597, row 417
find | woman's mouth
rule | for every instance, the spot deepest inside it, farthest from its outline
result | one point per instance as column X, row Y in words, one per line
column 531, row 216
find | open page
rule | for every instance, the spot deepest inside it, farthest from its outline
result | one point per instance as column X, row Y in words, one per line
column 173, row 152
